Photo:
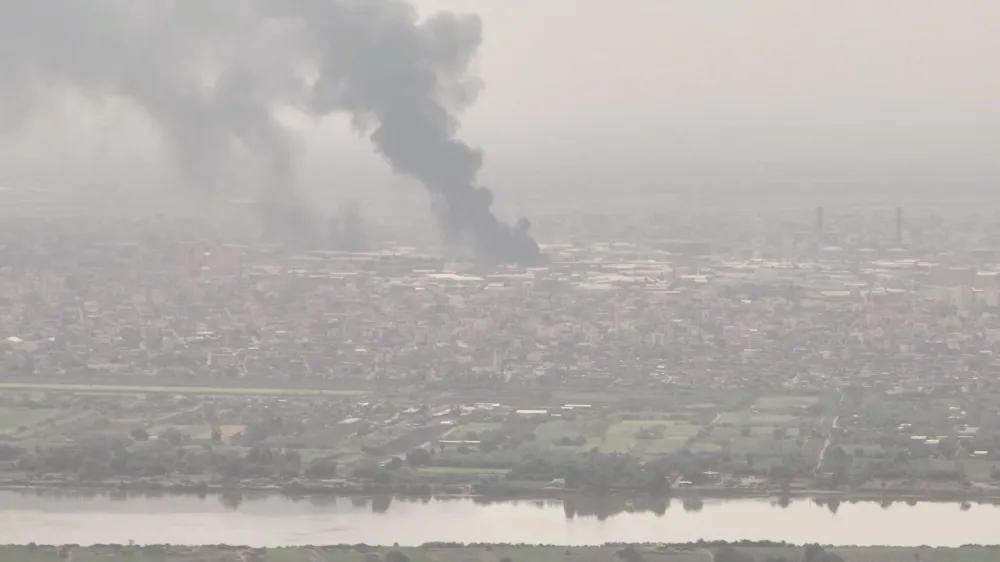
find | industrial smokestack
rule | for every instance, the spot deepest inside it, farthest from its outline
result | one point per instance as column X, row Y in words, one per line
column 899, row 227
column 819, row 227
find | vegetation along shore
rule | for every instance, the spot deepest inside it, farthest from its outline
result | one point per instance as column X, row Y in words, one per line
column 437, row 552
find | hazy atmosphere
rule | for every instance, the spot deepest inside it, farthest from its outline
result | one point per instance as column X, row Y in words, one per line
column 499, row 281
column 581, row 97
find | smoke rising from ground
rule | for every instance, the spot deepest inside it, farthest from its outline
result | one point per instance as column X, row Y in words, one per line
column 211, row 73
column 299, row 226
column 348, row 231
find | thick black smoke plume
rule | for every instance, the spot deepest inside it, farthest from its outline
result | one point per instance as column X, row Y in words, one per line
column 383, row 65
column 212, row 72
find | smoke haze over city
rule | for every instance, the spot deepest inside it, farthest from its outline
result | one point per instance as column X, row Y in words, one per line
column 451, row 280
column 212, row 75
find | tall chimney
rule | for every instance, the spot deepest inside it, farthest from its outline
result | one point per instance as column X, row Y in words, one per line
column 899, row 226
column 819, row 226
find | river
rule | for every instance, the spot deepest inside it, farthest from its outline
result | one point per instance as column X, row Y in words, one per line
column 270, row 520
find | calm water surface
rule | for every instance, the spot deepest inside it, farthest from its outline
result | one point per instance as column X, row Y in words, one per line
column 277, row 521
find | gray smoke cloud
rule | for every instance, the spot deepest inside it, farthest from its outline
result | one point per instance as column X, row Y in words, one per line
column 349, row 230
column 210, row 73
column 193, row 67
column 296, row 226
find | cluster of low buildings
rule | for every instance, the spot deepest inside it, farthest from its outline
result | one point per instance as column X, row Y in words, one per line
column 597, row 314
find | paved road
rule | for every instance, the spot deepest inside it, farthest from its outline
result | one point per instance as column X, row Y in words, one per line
column 829, row 437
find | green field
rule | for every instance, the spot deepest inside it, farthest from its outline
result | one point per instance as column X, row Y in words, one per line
column 11, row 419
column 621, row 437
column 781, row 403
column 552, row 431
column 705, row 447
column 478, row 428
column 203, row 390
column 757, row 418
column 462, row 470
column 668, row 444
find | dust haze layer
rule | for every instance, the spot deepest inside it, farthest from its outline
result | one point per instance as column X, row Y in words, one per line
column 211, row 74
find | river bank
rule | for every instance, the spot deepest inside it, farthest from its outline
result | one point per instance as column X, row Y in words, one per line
column 358, row 489
column 273, row 520
column 683, row 552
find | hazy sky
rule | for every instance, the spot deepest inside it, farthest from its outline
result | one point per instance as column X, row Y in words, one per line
column 785, row 90
column 659, row 95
